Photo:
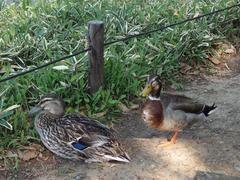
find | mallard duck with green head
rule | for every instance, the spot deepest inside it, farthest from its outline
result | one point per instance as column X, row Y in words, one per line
column 73, row 136
column 170, row 112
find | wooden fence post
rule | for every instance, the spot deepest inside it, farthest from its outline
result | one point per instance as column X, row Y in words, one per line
column 95, row 55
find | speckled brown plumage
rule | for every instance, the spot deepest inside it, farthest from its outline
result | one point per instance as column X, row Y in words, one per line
column 74, row 136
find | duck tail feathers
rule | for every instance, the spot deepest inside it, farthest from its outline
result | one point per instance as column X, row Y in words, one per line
column 207, row 110
column 125, row 158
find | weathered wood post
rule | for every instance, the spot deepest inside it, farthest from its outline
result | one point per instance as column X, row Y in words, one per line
column 95, row 55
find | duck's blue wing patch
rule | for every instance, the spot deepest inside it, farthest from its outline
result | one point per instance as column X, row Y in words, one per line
column 79, row 146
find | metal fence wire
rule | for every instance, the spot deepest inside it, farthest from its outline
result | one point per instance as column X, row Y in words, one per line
column 161, row 28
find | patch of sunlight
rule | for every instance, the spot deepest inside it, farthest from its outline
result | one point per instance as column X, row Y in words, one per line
column 184, row 157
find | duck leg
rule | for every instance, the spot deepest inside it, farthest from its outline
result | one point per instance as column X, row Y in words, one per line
column 171, row 140
column 174, row 137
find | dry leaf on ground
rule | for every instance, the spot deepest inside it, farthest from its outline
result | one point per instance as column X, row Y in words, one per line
column 27, row 154
column 101, row 114
column 185, row 68
column 230, row 51
column 44, row 156
column 11, row 154
column 134, row 106
column 82, row 113
column 123, row 107
column 214, row 60
column 34, row 147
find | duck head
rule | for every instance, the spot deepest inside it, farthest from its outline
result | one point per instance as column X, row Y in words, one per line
column 51, row 103
column 153, row 87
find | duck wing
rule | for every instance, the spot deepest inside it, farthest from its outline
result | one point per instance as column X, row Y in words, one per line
column 92, row 139
column 185, row 104
column 85, row 129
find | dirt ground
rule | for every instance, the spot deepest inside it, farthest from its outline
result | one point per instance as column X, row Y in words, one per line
column 209, row 150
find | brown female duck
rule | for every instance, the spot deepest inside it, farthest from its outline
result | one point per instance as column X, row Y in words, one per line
column 171, row 112
column 74, row 136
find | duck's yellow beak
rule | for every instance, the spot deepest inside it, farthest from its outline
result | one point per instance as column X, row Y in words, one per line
column 147, row 90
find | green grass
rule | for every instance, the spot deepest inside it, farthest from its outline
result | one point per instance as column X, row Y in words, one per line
column 32, row 33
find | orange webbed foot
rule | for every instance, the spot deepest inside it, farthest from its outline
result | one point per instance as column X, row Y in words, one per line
column 174, row 138
column 164, row 144
column 170, row 141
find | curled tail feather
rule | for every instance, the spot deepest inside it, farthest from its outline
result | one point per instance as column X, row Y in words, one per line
column 207, row 110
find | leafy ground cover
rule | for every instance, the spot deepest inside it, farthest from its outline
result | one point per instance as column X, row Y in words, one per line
column 32, row 33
